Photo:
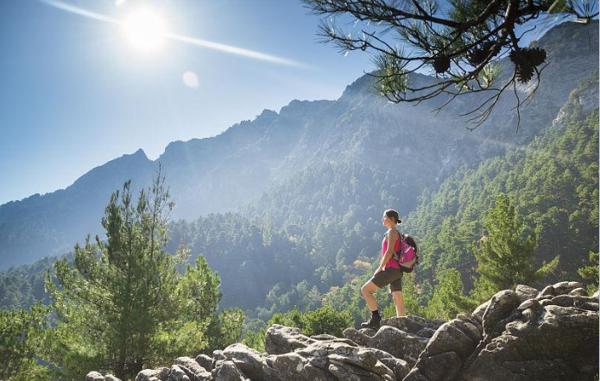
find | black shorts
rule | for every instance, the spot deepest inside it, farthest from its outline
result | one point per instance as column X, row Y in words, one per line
column 390, row 276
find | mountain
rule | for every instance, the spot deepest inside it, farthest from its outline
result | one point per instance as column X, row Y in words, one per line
column 413, row 147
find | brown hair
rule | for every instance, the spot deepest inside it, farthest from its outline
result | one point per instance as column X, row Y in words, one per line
column 391, row 213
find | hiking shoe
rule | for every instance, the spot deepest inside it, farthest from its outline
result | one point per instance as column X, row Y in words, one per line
column 373, row 323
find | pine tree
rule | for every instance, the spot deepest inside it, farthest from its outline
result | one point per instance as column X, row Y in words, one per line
column 590, row 272
column 506, row 254
column 448, row 297
column 122, row 305
column 21, row 332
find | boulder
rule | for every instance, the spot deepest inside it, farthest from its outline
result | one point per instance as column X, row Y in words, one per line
column 525, row 292
column 205, row 361
column 251, row 362
column 226, row 370
column 280, row 339
column 412, row 324
column 192, row 369
column 160, row 374
column 500, row 307
column 561, row 343
column 94, row 376
column 177, row 374
column 449, row 347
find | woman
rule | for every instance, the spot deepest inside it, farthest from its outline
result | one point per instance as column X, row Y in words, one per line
column 388, row 271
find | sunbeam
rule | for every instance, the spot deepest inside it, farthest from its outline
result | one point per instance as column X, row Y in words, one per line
column 139, row 39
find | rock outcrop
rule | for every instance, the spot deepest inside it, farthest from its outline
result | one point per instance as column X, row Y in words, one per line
column 520, row 334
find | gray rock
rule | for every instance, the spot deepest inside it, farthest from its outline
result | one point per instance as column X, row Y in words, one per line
column 394, row 341
column 479, row 311
column 516, row 335
column 226, row 370
column 192, row 369
column 426, row 332
column 443, row 366
column 291, row 366
column 545, row 302
column 251, row 362
column 94, row 376
column 399, row 367
column 562, row 300
column 447, row 350
column 280, row 339
column 566, row 287
column 525, row 292
column 323, row 336
column 218, row 355
column 342, row 369
column 561, row 343
column 547, row 291
column 160, row 374
column 412, row 324
column 530, row 309
column 177, row 374
column 579, row 292
column 356, row 336
column 501, row 306
column 205, row 361
column 449, row 338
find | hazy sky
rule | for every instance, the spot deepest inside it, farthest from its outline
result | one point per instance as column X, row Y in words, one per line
column 76, row 93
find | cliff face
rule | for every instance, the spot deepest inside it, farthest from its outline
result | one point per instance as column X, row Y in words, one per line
column 521, row 334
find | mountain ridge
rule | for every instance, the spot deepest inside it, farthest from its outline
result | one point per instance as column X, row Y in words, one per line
column 227, row 171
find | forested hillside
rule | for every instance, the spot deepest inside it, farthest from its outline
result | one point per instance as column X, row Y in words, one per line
column 553, row 183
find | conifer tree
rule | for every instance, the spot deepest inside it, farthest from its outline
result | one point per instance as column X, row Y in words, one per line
column 121, row 304
column 448, row 297
column 505, row 255
column 21, row 332
column 589, row 272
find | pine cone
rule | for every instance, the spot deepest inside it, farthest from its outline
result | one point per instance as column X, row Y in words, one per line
column 441, row 64
column 480, row 53
column 525, row 61
column 524, row 73
column 537, row 56
column 528, row 56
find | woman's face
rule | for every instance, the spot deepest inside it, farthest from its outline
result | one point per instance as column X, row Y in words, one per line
column 387, row 221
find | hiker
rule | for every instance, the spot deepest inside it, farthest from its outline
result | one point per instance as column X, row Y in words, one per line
column 388, row 272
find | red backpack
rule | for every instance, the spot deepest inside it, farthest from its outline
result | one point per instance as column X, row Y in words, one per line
column 406, row 256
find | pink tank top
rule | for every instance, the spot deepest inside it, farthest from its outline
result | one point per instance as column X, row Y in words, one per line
column 391, row 263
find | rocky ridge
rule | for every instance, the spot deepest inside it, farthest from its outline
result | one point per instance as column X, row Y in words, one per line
column 517, row 335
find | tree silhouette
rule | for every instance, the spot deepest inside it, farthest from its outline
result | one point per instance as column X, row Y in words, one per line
column 459, row 41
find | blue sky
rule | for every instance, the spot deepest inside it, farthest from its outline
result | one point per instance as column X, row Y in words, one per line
column 75, row 93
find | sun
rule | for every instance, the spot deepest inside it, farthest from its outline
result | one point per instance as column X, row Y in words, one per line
column 145, row 29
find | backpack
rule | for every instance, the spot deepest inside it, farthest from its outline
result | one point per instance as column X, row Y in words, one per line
column 407, row 256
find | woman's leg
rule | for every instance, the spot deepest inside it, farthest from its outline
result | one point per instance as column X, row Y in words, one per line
column 399, row 302
column 367, row 290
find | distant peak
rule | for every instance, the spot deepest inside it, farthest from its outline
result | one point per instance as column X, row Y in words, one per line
column 140, row 152
column 267, row 113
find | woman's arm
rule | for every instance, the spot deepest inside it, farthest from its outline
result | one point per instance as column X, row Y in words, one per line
column 391, row 243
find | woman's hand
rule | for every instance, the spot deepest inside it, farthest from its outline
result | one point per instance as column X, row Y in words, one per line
column 378, row 270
